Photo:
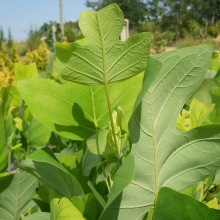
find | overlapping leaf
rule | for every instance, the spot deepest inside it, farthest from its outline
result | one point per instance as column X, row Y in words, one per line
column 39, row 215
column 102, row 58
column 38, row 134
column 16, row 191
column 25, row 71
column 73, row 110
column 179, row 206
column 43, row 165
column 63, row 208
column 165, row 156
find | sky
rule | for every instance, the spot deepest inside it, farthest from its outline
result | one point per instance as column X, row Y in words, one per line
column 21, row 15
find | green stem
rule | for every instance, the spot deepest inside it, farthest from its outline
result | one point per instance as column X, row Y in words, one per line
column 103, row 169
column 111, row 120
column 107, row 95
column 28, row 150
column 7, row 147
column 22, row 116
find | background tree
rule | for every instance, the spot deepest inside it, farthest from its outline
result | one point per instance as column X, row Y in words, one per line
column 72, row 31
column 2, row 37
column 206, row 12
column 134, row 10
column 47, row 33
column 10, row 39
column 34, row 39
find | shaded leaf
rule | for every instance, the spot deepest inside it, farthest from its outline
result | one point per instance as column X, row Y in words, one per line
column 98, row 197
column 184, row 207
column 102, row 145
column 44, row 165
column 38, row 134
column 48, row 100
column 122, row 178
column 89, row 161
column 86, row 205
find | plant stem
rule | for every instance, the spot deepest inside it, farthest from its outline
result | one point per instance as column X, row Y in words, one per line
column 111, row 120
column 28, row 150
column 103, row 169
column 22, row 115
column 6, row 145
column 107, row 95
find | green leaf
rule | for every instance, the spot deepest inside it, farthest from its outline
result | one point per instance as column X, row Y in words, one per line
column 76, row 116
column 199, row 112
column 122, row 178
column 41, row 205
column 39, row 215
column 203, row 93
column 86, row 205
column 183, row 121
column 5, row 101
column 214, row 116
column 63, row 208
column 103, row 58
column 104, row 147
column 44, row 165
column 151, row 72
column 89, row 161
column 178, row 206
column 165, row 156
column 72, row 162
column 16, row 96
column 214, row 63
column 213, row 204
column 6, row 130
column 195, row 117
column 25, row 71
column 38, row 134
column 97, row 195
column 16, row 191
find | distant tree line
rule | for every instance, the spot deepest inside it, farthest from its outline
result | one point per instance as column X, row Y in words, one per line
column 35, row 36
column 173, row 15
column 168, row 20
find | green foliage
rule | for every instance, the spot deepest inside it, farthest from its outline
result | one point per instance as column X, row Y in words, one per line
column 104, row 60
column 194, row 28
column 34, row 39
column 133, row 10
column 159, row 44
column 72, row 31
column 124, row 128
column 44, row 165
column 186, row 207
column 16, row 192
column 213, row 31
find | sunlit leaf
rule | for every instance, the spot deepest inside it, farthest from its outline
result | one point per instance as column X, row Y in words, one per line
column 102, row 58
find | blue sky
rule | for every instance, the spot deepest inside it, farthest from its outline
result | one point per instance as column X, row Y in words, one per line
column 20, row 15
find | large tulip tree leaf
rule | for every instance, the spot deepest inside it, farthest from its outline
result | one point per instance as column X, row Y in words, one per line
column 102, row 58
column 165, row 156
column 73, row 110
column 16, row 193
